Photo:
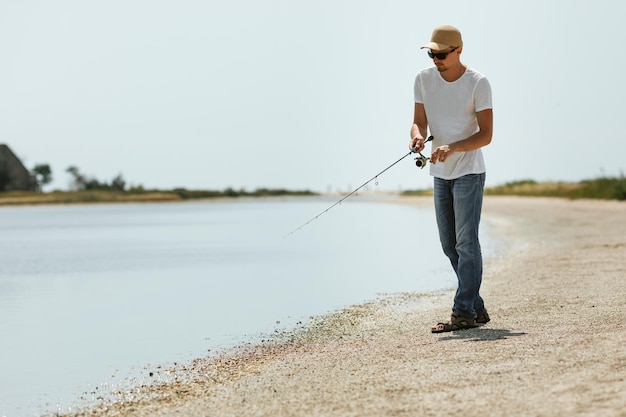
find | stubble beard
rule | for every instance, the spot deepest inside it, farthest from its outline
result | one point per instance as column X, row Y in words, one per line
column 441, row 68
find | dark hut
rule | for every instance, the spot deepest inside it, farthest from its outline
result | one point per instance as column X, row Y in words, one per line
column 13, row 174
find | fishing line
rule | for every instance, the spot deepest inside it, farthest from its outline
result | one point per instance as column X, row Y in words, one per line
column 420, row 161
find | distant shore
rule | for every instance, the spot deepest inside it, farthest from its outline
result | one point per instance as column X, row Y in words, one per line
column 107, row 196
column 599, row 188
column 554, row 347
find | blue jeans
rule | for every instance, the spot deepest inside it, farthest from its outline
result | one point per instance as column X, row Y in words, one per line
column 458, row 204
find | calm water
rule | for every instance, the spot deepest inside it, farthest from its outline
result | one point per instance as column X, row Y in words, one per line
column 90, row 295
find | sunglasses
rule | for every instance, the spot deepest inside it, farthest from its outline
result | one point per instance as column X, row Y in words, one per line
column 440, row 55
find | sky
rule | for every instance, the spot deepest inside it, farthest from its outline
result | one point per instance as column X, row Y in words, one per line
column 301, row 95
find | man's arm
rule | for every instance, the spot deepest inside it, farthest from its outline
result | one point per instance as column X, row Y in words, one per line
column 476, row 141
column 419, row 130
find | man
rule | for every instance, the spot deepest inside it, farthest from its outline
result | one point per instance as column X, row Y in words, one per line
column 454, row 103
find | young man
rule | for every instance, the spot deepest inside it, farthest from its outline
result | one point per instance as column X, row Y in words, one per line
column 454, row 103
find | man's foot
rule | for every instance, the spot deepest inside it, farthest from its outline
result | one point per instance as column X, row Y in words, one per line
column 483, row 318
column 456, row 323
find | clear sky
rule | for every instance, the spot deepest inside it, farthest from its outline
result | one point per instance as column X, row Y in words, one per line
column 303, row 95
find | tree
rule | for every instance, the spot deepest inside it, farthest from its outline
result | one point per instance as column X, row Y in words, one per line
column 43, row 175
column 118, row 183
column 79, row 179
column 81, row 182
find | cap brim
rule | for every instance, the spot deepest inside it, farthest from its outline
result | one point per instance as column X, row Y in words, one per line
column 436, row 46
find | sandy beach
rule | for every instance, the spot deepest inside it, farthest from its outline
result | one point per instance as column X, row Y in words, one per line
column 556, row 293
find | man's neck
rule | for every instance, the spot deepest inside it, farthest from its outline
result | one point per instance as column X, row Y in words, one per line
column 454, row 73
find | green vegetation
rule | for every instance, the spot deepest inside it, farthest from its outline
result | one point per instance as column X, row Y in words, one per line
column 600, row 188
column 417, row 193
column 43, row 175
column 134, row 195
column 81, row 182
column 91, row 190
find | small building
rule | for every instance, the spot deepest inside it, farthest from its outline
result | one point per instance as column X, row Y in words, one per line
column 13, row 174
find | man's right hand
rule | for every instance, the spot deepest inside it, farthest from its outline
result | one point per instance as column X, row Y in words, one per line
column 418, row 143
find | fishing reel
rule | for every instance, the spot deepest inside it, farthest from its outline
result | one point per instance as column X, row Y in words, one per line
column 420, row 160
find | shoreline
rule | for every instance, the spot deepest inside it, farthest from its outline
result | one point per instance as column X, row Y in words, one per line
column 553, row 347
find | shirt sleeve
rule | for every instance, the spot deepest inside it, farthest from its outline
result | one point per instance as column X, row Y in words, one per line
column 482, row 95
column 417, row 89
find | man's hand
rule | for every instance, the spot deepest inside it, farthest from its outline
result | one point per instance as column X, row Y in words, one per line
column 418, row 143
column 441, row 154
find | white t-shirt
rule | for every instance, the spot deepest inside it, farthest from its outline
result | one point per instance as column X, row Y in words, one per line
column 451, row 109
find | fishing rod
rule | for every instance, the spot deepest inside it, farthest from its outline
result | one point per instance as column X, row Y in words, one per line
column 420, row 161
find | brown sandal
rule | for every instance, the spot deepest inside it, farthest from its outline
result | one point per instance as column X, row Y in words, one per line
column 482, row 318
column 456, row 323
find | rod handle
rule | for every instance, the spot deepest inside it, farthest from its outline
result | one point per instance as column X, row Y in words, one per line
column 414, row 149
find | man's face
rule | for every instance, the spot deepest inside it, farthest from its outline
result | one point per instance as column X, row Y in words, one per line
column 442, row 58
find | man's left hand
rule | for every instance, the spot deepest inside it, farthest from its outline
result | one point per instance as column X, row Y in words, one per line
column 441, row 154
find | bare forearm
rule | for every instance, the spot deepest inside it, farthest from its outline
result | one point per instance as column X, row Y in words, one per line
column 418, row 132
column 476, row 141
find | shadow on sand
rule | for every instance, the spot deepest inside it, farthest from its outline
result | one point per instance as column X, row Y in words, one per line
column 480, row 334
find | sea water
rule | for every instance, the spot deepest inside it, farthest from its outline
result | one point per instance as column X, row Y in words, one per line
column 92, row 294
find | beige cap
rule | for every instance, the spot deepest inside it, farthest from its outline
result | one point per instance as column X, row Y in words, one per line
column 444, row 37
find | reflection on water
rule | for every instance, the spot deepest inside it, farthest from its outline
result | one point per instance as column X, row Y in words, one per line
column 91, row 294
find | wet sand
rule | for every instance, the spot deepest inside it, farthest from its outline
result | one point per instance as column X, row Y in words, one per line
column 556, row 293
